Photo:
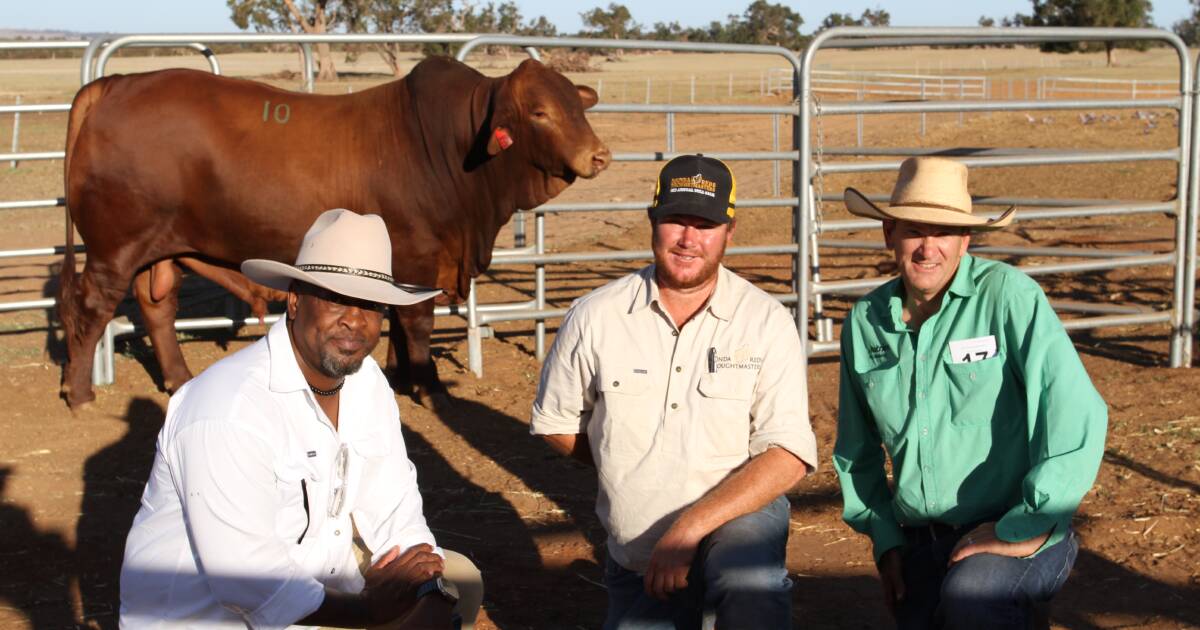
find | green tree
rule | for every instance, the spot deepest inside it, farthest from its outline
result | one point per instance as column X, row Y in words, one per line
column 1104, row 13
column 309, row 16
column 400, row 17
column 1189, row 29
column 615, row 22
column 834, row 20
column 878, row 17
column 775, row 24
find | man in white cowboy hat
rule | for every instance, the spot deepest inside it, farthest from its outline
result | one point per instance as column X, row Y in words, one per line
column 960, row 372
column 679, row 384
column 272, row 459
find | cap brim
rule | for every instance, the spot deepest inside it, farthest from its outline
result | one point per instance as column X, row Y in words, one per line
column 858, row 204
column 280, row 276
column 692, row 209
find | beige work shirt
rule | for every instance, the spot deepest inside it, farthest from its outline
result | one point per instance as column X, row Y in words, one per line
column 670, row 412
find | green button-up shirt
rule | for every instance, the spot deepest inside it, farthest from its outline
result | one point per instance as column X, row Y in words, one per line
column 1015, row 437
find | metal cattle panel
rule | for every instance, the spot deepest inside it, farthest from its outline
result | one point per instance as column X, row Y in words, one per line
column 1183, row 258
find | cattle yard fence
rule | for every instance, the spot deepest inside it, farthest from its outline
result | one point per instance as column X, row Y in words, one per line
column 808, row 166
column 813, row 169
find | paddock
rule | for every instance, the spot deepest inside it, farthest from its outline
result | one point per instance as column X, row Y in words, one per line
column 70, row 484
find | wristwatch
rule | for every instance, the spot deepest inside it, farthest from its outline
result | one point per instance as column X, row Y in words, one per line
column 447, row 590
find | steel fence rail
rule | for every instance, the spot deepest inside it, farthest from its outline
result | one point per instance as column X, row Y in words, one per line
column 811, row 287
column 45, row 108
column 37, row 155
column 1187, row 326
column 1042, row 159
column 33, row 203
column 842, row 108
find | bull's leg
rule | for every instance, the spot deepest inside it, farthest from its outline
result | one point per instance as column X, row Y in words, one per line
column 243, row 288
column 93, row 298
column 414, row 332
column 157, row 292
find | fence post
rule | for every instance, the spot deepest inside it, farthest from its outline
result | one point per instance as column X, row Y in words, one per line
column 647, row 90
column 600, row 89
column 961, row 96
column 1133, row 87
column 474, row 334
column 762, row 83
column 730, row 85
column 16, row 131
column 670, row 132
column 859, row 121
column 922, row 113
column 775, row 147
column 692, row 97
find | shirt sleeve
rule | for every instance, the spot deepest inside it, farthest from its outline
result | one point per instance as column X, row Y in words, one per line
column 779, row 410
column 566, row 391
column 1067, row 418
column 858, row 458
column 225, row 478
column 389, row 510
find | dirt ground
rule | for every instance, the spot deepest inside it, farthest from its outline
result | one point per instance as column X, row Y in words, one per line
column 70, row 483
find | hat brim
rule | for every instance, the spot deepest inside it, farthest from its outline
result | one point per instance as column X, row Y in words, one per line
column 691, row 209
column 280, row 276
column 858, row 204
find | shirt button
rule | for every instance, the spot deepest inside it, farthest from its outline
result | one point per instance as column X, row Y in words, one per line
column 674, row 405
column 920, row 394
column 616, row 383
column 922, row 357
column 925, row 431
column 972, row 376
column 678, row 368
column 338, row 532
column 674, row 333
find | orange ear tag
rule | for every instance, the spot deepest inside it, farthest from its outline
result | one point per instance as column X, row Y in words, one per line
column 502, row 138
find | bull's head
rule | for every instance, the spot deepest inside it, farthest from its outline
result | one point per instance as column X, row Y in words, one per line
column 539, row 113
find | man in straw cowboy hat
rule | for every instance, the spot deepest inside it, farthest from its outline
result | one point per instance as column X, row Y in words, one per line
column 683, row 384
column 272, row 459
column 960, row 372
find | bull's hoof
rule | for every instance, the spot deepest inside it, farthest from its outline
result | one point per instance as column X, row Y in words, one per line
column 437, row 402
column 77, row 401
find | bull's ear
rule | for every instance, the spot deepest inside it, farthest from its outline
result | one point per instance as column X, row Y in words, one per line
column 588, row 96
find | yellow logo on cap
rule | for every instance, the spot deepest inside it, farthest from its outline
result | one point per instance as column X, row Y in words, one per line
column 695, row 183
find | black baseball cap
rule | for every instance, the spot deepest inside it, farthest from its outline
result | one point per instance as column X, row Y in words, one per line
column 696, row 185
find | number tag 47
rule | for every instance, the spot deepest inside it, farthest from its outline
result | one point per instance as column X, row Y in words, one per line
column 971, row 350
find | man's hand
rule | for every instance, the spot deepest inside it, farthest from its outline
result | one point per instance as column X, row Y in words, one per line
column 670, row 561
column 891, row 575
column 983, row 539
column 392, row 582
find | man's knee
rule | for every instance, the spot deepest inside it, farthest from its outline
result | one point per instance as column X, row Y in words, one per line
column 982, row 592
column 745, row 571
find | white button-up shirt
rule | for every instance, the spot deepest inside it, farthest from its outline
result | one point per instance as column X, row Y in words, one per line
column 240, row 523
column 670, row 412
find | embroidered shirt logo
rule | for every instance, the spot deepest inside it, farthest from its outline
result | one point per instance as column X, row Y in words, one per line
column 740, row 359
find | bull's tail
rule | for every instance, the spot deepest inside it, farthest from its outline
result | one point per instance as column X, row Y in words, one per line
column 85, row 99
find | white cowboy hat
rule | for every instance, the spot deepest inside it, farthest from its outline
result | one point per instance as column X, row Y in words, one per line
column 347, row 253
column 929, row 190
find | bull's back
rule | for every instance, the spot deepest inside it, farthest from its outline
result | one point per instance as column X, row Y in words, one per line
column 201, row 158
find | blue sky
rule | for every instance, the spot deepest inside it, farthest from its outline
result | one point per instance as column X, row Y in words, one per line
column 213, row 16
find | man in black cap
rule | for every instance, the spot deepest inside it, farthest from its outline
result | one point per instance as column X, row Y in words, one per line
column 683, row 384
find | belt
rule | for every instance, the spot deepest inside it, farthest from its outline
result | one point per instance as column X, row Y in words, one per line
column 923, row 534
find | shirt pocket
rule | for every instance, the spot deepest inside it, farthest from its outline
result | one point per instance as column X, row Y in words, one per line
column 301, row 496
column 974, row 390
column 726, row 396
column 882, row 384
column 630, row 414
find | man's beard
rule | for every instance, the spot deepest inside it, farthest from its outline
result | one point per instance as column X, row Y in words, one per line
column 336, row 365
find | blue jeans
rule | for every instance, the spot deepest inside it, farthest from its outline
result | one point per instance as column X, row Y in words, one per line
column 737, row 580
column 984, row 591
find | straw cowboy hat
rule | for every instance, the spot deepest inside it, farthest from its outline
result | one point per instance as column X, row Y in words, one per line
column 929, row 190
column 347, row 253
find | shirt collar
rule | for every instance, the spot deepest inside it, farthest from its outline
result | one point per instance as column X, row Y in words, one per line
column 720, row 303
column 963, row 285
column 285, row 370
